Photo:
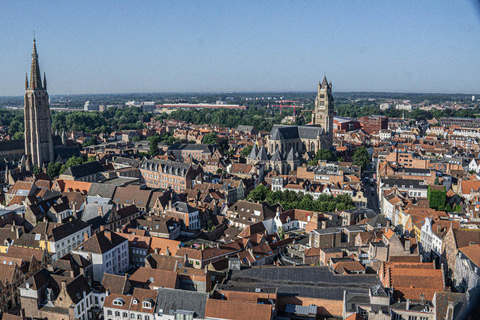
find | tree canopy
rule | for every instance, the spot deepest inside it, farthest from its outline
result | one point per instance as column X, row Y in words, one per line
column 361, row 158
column 293, row 200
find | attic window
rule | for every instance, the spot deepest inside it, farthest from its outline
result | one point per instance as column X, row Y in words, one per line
column 147, row 304
column 135, row 301
column 118, row 302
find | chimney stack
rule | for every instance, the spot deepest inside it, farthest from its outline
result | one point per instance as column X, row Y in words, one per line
column 85, row 236
column 407, row 245
column 17, row 232
column 100, row 211
column 408, row 304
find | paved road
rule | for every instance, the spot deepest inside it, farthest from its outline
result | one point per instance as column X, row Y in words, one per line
column 372, row 201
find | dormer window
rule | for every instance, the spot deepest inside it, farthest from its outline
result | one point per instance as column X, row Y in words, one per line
column 146, row 304
column 118, row 302
column 135, row 301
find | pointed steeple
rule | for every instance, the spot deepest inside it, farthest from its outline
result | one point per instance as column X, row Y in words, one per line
column 253, row 153
column 325, row 82
column 291, row 155
column 35, row 76
column 26, row 81
column 45, row 81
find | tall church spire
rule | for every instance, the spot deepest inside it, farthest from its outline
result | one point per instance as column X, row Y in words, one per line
column 35, row 76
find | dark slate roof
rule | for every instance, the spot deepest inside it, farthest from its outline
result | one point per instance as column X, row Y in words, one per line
column 245, row 128
column 309, row 132
column 183, row 207
column 206, row 148
column 104, row 190
column 276, row 156
column 68, row 228
column 170, row 300
column 283, row 132
column 253, row 153
column 66, row 152
column 262, row 154
column 313, row 282
column 99, row 243
column 135, row 163
column 91, row 216
column 404, row 183
column 85, row 169
column 379, row 221
column 291, row 155
column 11, row 145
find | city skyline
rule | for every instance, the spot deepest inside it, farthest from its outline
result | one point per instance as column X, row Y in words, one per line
column 219, row 47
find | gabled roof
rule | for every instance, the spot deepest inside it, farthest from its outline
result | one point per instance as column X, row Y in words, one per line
column 101, row 242
column 171, row 300
column 85, row 169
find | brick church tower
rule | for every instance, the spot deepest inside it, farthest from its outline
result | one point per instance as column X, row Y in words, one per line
column 38, row 123
column 323, row 115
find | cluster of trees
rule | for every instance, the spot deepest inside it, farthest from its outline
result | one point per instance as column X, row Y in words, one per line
column 14, row 120
column 361, row 158
column 367, row 108
column 101, row 122
column 254, row 116
column 294, row 200
column 54, row 169
column 324, row 154
column 437, row 198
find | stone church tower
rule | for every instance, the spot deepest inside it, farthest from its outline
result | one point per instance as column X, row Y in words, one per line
column 38, row 123
column 324, row 107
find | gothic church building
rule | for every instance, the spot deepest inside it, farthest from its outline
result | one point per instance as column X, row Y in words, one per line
column 285, row 144
column 38, row 123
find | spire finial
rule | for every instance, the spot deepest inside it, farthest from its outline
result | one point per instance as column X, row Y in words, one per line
column 35, row 77
column 33, row 36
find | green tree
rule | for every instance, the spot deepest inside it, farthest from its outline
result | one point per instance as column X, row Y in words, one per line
column 246, row 151
column 437, row 197
column 325, row 154
column 153, row 148
column 361, row 158
column 136, row 138
column 53, row 169
column 36, row 170
column 18, row 135
column 259, row 193
column 210, row 138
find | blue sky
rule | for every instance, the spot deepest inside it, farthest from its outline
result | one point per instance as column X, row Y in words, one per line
column 210, row 46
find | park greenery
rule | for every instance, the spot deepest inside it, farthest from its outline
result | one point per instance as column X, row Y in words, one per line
column 257, row 116
column 293, row 200
column 437, row 198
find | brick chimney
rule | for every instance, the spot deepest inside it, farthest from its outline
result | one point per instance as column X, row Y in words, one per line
column 100, row 210
column 85, row 236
